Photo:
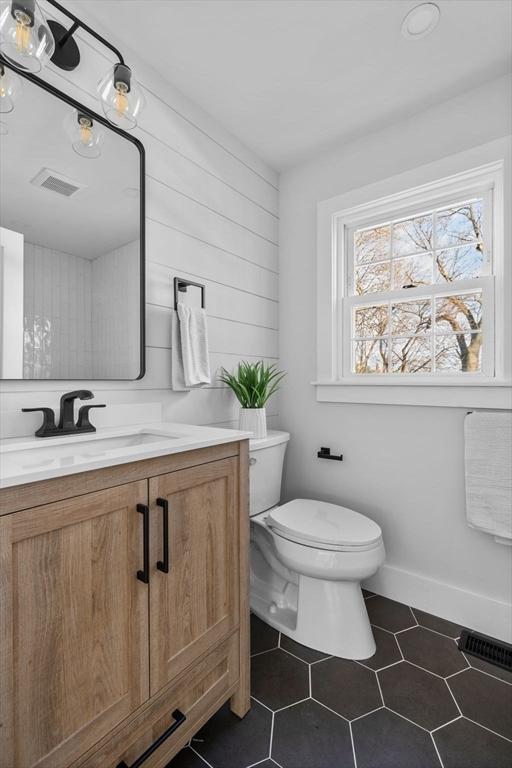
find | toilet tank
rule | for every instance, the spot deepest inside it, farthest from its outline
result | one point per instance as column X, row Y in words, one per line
column 266, row 458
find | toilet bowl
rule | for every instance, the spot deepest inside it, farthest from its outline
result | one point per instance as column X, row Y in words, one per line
column 308, row 559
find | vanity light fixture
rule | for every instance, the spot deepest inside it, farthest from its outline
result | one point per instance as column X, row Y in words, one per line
column 25, row 37
column 86, row 137
column 122, row 99
column 10, row 87
column 28, row 42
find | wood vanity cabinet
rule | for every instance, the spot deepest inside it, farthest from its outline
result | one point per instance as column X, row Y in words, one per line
column 123, row 610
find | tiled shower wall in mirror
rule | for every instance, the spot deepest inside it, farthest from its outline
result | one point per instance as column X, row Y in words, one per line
column 72, row 324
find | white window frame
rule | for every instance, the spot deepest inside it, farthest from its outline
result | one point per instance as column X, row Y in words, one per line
column 459, row 177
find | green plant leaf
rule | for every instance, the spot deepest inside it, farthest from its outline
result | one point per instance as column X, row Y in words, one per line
column 253, row 383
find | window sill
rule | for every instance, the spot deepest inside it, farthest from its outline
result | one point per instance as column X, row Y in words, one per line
column 489, row 395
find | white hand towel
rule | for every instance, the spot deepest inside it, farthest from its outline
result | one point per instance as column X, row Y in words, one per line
column 177, row 375
column 488, row 458
column 194, row 345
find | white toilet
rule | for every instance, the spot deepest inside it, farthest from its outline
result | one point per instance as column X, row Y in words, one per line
column 308, row 559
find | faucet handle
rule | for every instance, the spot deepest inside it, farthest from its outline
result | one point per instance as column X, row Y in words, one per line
column 83, row 424
column 48, row 427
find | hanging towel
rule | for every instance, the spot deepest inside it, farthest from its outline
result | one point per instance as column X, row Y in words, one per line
column 488, row 458
column 177, row 374
column 194, row 345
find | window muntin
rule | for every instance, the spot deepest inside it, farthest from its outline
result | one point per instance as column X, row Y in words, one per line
column 442, row 245
column 416, row 292
column 427, row 335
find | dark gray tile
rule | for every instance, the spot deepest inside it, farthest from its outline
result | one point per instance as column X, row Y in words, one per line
column 431, row 651
column 490, row 669
column 388, row 614
column 484, row 699
column 387, row 651
column 417, row 695
column 367, row 593
column 263, row 636
column 385, row 740
column 278, row 679
column 464, row 743
column 302, row 651
column 228, row 742
column 267, row 764
column 186, row 759
column 429, row 621
column 309, row 736
column 346, row 687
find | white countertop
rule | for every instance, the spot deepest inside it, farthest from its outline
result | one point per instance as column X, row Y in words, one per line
column 30, row 459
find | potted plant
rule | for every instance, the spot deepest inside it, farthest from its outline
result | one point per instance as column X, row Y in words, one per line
column 253, row 384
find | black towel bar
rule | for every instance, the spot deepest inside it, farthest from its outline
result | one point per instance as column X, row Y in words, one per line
column 181, row 285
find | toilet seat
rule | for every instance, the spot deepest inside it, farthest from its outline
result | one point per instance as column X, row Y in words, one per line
column 321, row 525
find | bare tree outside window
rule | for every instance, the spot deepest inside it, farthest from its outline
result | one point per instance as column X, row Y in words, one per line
column 422, row 335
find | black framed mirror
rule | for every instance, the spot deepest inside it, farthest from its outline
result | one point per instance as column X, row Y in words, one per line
column 72, row 232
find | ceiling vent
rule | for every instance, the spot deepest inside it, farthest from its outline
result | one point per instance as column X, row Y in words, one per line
column 56, row 182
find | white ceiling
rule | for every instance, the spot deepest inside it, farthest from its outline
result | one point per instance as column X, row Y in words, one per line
column 289, row 77
column 95, row 220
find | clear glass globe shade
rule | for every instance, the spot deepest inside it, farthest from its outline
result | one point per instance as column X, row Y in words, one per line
column 25, row 39
column 121, row 105
column 86, row 135
column 10, row 89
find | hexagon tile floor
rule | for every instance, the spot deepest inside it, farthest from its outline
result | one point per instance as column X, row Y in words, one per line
column 417, row 703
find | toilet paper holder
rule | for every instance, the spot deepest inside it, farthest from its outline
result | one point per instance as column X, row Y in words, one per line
column 325, row 453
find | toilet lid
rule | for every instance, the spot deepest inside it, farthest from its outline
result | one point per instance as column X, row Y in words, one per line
column 323, row 523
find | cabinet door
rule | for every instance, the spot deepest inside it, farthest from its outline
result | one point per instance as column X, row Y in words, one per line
column 74, row 622
column 194, row 604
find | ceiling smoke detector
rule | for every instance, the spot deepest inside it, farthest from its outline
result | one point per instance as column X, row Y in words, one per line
column 420, row 21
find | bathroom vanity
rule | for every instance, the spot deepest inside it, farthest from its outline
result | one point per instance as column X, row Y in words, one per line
column 124, row 608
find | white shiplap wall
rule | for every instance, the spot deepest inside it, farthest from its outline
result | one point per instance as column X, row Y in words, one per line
column 212, row 215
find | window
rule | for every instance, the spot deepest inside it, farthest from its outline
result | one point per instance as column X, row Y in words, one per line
column 419, row 296
column 414, row 278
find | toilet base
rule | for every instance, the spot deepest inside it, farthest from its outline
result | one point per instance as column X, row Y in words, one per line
column 329, row 616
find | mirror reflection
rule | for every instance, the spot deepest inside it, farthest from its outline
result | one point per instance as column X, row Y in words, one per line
column 70, row 237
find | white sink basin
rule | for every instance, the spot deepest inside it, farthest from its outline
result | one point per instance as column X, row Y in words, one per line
column 25, row 460
column 48, row 454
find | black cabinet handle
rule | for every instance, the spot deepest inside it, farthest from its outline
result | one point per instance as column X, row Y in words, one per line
column 179, row 719
column 163, row 565
column 144, row 574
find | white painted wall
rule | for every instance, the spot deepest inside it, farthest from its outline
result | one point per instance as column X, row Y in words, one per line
column 212, row 215
column 403, row 465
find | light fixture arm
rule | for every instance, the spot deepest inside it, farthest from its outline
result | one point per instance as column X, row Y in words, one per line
column 65, row 37
column 78, row 23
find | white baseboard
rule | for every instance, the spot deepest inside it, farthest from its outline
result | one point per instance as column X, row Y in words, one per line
column 469, row 609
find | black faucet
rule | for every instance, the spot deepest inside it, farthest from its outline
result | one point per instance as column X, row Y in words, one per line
column 67, row 408
column 67, row 424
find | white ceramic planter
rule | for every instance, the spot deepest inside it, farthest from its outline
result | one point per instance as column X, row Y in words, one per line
column 254, row 420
